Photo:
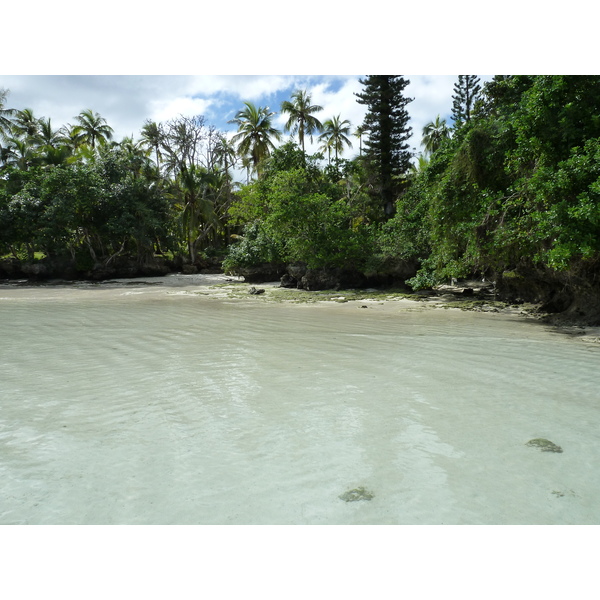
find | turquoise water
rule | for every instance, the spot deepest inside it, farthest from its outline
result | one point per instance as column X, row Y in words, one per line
column 141, row 404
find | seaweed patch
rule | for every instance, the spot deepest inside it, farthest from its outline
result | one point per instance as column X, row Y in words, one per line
column 356, row 494
column 544, row 445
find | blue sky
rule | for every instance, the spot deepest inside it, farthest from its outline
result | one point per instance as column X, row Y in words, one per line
column 126, row 101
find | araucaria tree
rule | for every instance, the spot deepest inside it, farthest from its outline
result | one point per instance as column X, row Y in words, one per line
column 466, row 92
column 386, row 123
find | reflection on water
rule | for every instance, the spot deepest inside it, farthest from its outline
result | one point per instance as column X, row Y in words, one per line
column 137, row 405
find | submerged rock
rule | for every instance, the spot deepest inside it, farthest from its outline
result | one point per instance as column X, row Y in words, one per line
column 544, row 445
column 256, row 291
column 356, row 494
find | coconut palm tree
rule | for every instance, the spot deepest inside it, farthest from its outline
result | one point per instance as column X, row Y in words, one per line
column 335, row 135
column 433, row 134
column 5, row 115
column 248, row 165
column 192, row 193
column 56, row 155
column 136, row 155
column 26, row 127
column 92, row 128
column 152, row 137
column 301, row 120
column 51, row 137
column 360, row 131
column 19, row 153
column 420, row 165
column 255, row 133
column 225, row 154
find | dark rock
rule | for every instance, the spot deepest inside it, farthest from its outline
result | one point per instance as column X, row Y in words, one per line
column 558, row 301
column 10, row 268
column 287, row 281
column 261, row 273
column 565, row 297
column 331, row 279
column 256, row 291
column 296, row 270
column 36, row 270
column 64, row 268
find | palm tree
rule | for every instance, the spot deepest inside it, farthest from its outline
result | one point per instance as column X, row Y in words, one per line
column 420, row 165
column 255, row 130
column 300, row 119
column 335, row 132
column 56, row 155
column 5, row 115
column 152, row 136
column 135, row 155
column 360, row 131
column 19, row 153
column 225, row 154
column 92, row 128
column 25, row 126
column 248, row 165
column 433, row 134
column 192, row 193
column 50, row 137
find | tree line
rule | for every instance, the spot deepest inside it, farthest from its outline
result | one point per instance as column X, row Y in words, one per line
column 509, row 184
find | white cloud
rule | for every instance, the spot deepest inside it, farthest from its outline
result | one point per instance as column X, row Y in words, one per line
column 167, row 109
column 127, row 101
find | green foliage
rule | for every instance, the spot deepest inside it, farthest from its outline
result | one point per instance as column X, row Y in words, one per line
column 564, row 208
column 312, row 226
column 288, row 156
column 100, row 209
column 299, row 213
column 387, row 153
column 517, row 185
column 252, row 248
column 434, row 134
column 556, row 114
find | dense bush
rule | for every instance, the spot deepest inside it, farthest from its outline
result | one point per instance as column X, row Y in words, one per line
column 298, row 214
column 100, row 209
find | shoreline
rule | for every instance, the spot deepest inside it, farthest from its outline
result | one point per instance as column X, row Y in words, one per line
column 469, row 296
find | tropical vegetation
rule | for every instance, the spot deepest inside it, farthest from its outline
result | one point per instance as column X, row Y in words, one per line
column 508, row 187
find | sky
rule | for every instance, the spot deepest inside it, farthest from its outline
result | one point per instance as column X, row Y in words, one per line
column 127, row 101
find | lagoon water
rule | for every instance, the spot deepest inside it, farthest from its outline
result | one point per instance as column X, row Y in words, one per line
column 127, row 403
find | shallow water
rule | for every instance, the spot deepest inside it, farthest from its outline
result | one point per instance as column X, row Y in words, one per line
column 152, row 405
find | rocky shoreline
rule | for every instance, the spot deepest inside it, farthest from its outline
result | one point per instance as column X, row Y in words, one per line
column 120, row 268
column 568, row 303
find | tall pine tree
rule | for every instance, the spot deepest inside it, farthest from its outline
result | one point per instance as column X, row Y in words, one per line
column 386, row 123
column 466, row 92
